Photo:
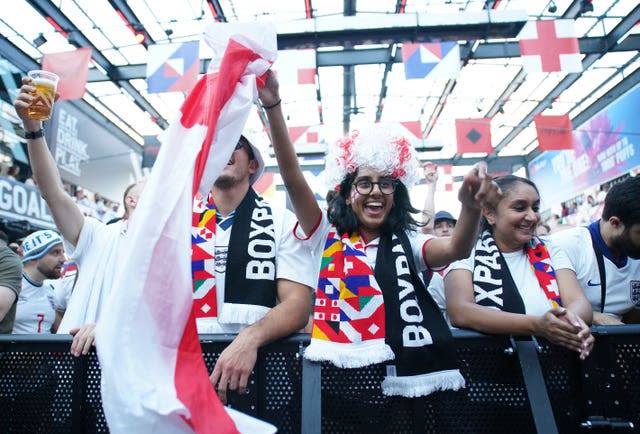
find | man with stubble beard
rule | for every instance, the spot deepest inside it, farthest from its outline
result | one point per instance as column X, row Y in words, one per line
column 42, row 258
column 250, row 275
column 606, row 256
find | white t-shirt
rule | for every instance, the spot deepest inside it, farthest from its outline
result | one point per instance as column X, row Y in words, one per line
column 36, row 310
column 316, row 242
column 293, row 262
column 533, row 297
column 97, row 255
column 623, row 284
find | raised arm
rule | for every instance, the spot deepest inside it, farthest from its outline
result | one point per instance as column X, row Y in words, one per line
column 477, row 190
column 428, row 212
column 304, row 203
column 66, row 214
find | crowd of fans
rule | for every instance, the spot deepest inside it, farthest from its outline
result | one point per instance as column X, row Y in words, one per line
column 495, row 267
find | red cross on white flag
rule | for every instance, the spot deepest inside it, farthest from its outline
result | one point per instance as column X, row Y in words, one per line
column 549, row 46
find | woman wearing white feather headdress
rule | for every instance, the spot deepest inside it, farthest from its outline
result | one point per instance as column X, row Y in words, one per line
column 370, row 306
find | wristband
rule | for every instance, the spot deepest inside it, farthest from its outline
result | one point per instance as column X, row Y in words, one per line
column 267, row 107
column 32, row 135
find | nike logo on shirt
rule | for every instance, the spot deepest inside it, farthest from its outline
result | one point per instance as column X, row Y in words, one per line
column 592, row 284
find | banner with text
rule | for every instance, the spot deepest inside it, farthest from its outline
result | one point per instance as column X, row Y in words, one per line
column 85, row 152
column 20, row 202
column 605, row 147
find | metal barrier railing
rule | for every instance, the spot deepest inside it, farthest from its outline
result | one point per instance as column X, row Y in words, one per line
column 513, row 385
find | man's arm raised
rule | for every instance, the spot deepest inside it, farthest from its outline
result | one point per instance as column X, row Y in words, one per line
column 66, row 214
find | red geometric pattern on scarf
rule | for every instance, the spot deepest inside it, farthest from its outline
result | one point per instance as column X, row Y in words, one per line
column 347, row 293
column 203, row 275
column 541, row 262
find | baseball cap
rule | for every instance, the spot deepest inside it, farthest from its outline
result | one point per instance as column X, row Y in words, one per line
column 37, row 244
column 256, row 155
column 444, row 215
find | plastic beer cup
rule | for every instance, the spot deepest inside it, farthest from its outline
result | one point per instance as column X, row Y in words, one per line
column 45, row 83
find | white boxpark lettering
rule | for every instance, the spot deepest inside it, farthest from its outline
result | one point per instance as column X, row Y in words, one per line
column 261, row 248
column 413, row 335
column 482, row 274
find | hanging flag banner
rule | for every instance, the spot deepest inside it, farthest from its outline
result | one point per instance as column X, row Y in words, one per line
column 554, row 132
column 73, row 69
column 473, row 135
column 173, row 67
column 296, row 67
column 431, row 60
column 308, row 139
column 550, row 46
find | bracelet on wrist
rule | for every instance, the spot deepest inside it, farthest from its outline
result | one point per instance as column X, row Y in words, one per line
column 32, row 135
column 276, row 104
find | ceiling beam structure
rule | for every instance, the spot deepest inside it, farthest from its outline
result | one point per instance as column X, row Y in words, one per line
column 132, row 20
column 24, row 62
column 349, row 83
column 610, row 41
column 47, row 8
column 373, row 56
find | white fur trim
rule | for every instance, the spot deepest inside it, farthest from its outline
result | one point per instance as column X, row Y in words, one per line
column 233, row 313
column 422, row 385
column 377, row 147
column 352, row 355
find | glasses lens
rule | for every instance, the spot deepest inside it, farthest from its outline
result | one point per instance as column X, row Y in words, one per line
column 364, row 186
column 387, row 186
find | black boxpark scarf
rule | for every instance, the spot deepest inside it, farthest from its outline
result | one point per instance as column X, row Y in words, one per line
column 250, row 280
column 493, row 285
column 422, row 364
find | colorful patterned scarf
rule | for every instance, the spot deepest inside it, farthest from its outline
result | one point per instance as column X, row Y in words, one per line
column 250, row 289
column 493, row 284
column 362, row 317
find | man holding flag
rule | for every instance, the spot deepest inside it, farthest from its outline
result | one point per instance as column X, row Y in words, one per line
column 153, row 375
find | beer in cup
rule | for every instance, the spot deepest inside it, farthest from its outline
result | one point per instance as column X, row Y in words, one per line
column 45, row 83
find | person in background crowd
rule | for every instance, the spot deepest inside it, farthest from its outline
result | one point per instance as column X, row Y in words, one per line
column 430, row 172
column 606, row 256
column 542, row 230
column 444, row 224
column 92, row 244
column 10, row 287
column 368, row 247
column 4, row 239
column 513, row 283
column 42, row 258
column 14, row 172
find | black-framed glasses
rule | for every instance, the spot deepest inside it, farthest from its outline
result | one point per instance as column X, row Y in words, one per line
column 365, row 186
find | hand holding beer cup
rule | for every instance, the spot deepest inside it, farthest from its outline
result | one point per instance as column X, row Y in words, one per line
column 45, row 84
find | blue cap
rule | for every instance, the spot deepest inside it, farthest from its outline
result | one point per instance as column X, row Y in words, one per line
column 444, row 215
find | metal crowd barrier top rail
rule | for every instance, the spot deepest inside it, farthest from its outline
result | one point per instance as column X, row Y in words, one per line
column 513, row 385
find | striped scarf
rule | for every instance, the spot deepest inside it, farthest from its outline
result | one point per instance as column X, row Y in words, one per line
column 362, row 317
column 493, row 284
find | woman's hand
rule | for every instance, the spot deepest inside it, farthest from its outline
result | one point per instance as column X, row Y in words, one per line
column 562, row 327
column 478, row 189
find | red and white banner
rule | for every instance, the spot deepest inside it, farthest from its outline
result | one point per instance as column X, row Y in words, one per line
column 554, row 132
column 473, row 135
column 549, row 46
column 154, row 379
column 296, row 67
column 73, row 69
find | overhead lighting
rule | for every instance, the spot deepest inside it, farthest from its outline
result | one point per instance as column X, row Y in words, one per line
column 552, row 7
column 39, row 41
column 168, row 32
